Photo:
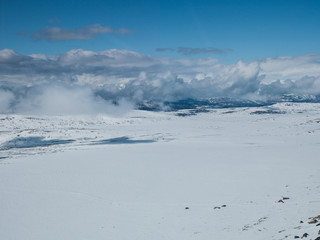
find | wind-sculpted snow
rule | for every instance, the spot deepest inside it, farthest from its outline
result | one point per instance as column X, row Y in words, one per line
column 93, row 82
column 22, row 134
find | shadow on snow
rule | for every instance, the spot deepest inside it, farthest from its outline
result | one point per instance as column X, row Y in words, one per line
column 121, row 140
column 30, row 142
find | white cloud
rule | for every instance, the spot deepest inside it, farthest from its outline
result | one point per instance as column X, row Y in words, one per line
column 296, row 67
column 195, row 51
column 122, row 74
column 55, row 34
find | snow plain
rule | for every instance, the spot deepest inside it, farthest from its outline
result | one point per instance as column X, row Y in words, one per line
column 157, row 175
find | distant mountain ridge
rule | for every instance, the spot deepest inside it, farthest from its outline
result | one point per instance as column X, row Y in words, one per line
column 223, row 102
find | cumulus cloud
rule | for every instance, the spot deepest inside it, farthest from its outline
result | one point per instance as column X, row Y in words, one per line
column 187, row 51
column 114, row 75
column 55, row 34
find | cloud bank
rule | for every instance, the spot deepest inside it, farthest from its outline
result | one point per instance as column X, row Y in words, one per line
column 55, row 34
column 87, row 81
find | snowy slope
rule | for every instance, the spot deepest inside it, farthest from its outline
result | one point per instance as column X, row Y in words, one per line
column 158, row 175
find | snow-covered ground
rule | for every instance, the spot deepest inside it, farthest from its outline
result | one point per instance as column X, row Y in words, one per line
column 243, row 173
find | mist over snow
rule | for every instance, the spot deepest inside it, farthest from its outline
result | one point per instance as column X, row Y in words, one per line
column 81, row 81
column 62, row 100
column 6, row 98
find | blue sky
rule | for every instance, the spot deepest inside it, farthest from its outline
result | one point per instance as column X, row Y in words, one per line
column 228, row 30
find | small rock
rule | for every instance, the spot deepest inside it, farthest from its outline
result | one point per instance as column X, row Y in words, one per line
column 318, row 238
column 305, row 235
column 216, row 208
column 313, row 221
column 285, row 198
column 301, row 221
column 186, row 208
column 223, row 205
column 296, row 237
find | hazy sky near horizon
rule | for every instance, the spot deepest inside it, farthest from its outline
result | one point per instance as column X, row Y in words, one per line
column 228, row 30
